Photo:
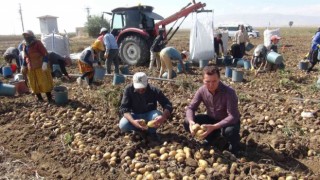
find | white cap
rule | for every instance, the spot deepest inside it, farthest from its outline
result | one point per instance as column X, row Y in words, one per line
column 140, row 80
column 186, row 53
column 103, row 30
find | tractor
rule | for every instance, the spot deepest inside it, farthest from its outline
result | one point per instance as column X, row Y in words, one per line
column 135, row 28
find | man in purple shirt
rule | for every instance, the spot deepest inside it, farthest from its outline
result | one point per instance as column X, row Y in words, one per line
column 221, row 102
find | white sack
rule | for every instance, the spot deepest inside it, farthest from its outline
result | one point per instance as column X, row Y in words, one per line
column 56, row 43
column 267, row 35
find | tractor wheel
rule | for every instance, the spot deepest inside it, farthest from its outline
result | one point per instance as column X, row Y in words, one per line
column 134, row 50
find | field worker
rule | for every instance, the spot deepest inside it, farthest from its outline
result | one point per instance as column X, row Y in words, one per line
column 35, row 65
column 273, row 47
column 241, row 37
column 313, row 54
column 185, row 56
column 111, row 53
column 167, row 55
column 103, row 31
column 222, row 117
column 139, row 103
column 217, row 44
column 157, row 45
column 10, row 54
column 258, row 59
column 56, row 59
column 88, row 60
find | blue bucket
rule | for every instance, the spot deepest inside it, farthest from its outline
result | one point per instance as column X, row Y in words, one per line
column 203, row 63
column 118, row 79
column 227, row 61
column 124, row 69
column 165, row 75
column 60, row 95
column 7, row 89
column 274, row 58
column 249, row 46
column 6, row 71
column 303, row 65
column 56, row 67
column 237, row 75
column 240, row 62
column 228, row 72
column 99, row 73
column 246, row 65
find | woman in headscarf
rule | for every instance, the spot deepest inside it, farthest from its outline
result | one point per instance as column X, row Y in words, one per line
column 35, row 66
column 88, row 60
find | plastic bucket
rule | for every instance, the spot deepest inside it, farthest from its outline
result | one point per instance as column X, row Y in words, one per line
column 6, row 71
column 99, row 73
column 21, row 87
column 249, row 46
column 203, row 63
column 274, row 58
column 228, row 72
column 18, row 77
column 237, row 75
column 246, row 65
column 118, row 79
column 124, row 69
column 60, row 95
column 303, row 65
column 240, row 62
column 227, row 60
column 165, row 75
column 219, row 61
column 7, row 90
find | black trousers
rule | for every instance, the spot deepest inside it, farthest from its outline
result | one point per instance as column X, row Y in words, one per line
column 242, row 49
column 113, row 58
column 231, row 133
column 313, row 57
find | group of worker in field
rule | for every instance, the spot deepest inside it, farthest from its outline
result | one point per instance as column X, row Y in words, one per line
column 139, row 104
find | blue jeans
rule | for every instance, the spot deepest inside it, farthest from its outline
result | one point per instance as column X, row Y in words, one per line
column 126, row 126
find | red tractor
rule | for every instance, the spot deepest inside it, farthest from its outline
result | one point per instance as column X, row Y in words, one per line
column 135, row 29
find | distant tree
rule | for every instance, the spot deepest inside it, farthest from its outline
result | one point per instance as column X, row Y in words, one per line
column 290, row 23
column 94, row 24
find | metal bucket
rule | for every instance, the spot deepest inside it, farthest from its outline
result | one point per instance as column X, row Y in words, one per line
column 124, row 69
column 228, row 72
column 21, row 87
column 274, row 58
column 18, row 77
column 237, row 75
column 203, row 63
column 6, row 71
column 246, row 65
column 165, row 75
column 118, row 79
column 249, row 46
column 303, row 65
column 60, row 95
column 227, row 61
column 99, row 73
column 7, row 89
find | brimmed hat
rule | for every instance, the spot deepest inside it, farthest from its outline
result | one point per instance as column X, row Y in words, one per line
column 103, row 30
column 140, row 80
column 28, row 32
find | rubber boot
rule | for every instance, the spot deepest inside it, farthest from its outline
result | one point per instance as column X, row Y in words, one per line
column 49, row 97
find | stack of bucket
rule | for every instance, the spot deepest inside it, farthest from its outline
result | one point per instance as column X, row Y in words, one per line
column 233, row 73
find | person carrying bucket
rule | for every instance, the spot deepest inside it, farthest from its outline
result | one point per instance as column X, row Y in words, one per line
column 139, row 106
column 274, row 48
column 314, row 50
column 222, row 117
column 35, row 66
column 62, row 62
column 258, row 59
column 167, row 55
column 88, row 60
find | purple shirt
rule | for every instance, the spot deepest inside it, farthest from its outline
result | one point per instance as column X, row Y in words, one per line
column 222, row 105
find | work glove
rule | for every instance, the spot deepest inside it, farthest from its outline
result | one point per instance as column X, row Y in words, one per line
column 44, row 66
column 106, row 55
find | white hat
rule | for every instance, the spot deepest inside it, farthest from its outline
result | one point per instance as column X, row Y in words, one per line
column 103, row 30
column 140, row 80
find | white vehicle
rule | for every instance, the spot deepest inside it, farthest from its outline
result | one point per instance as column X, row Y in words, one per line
column 234, row 27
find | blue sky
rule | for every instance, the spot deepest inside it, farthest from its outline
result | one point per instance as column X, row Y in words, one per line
column 72, row 13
